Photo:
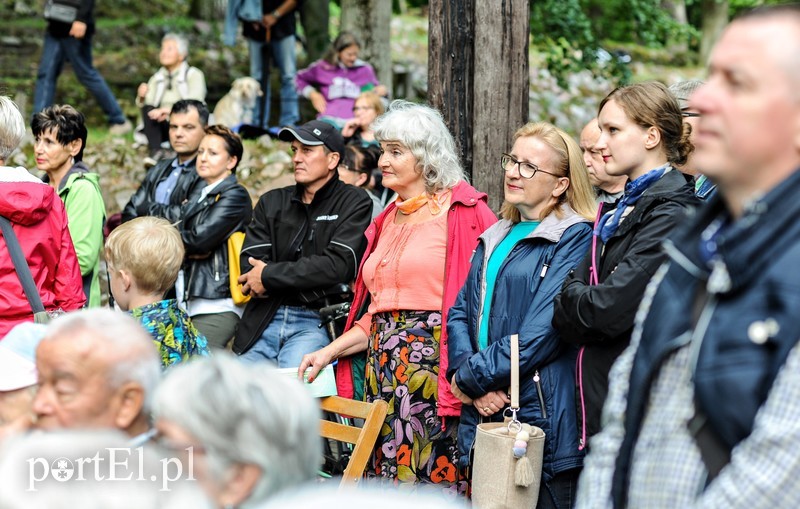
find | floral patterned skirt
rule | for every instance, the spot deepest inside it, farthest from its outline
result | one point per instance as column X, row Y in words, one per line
column 415, row 446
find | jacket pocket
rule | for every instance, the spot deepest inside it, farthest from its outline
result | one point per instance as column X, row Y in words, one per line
column 537, row 380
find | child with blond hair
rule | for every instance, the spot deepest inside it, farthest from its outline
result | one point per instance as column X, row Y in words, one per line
column 144, row 256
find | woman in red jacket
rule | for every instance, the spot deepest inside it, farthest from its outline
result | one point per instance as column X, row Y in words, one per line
column 416, row 261
column 39, row 222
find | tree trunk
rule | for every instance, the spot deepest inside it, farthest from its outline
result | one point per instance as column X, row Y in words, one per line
column 715, row 17
column 478, row 77
column 677, row 9
column 451, row 69
column 370, row 21
column 502, row 81
column 207, row 10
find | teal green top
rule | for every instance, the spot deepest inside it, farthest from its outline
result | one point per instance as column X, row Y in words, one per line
column 518, row 232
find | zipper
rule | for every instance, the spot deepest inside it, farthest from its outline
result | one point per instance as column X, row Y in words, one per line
column 537, row 380
column 579, row 376
column 188, row 284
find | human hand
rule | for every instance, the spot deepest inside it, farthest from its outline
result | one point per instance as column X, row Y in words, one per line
column 251, row 280
column 458, row 394
column 381, row 90
column 491, row 403
column 269, row 20
column 318, row 101
column 315, row 361
column 350, row 128
column 158, row 114
column 141, row 92
column 78, row 30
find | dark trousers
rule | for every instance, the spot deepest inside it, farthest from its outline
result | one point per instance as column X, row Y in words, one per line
column 78, row 52
column 156, row 132
column 560, row 492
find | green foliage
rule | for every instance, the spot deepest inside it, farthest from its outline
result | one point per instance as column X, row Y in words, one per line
column 563, row 34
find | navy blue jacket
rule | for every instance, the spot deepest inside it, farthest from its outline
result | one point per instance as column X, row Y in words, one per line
column 747, row 326
column 522, row 304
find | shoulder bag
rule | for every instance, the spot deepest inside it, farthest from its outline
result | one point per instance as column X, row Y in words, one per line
column 235, row 242
column 507, row 465
column 63, row 11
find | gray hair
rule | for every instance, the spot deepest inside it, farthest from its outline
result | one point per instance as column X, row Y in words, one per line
column 245, row 414
column 422, row 130
column 12, row 127
column 24, row 459
column 682, row 90
column 136, row 358
column 183, row 44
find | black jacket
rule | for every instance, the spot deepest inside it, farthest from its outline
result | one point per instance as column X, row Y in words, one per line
column 205, row 228
column 85, row 14
column 600, row 317
column 143, row 201
column 307, row 248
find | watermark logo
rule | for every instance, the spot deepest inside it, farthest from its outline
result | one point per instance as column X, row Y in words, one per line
column 113, row 464
column 62, row 469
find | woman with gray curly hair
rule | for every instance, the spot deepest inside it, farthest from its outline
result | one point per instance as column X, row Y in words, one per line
column 252, row 432
column 417, row 258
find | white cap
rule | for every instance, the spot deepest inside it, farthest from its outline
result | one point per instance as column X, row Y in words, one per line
column 18, row 356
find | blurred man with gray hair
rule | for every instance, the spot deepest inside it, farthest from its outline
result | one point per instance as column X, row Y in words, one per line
column 607, row 187
column 98, row 369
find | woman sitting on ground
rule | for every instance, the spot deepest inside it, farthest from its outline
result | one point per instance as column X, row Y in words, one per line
column 333, row 83
column 358, row 130
column 174, row 80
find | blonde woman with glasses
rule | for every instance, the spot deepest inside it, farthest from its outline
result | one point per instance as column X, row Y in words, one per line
column 517, row 269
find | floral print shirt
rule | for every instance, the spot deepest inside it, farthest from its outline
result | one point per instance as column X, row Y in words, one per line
column 175, row 336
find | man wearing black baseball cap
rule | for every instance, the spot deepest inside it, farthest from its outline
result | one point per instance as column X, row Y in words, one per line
column 304, row 239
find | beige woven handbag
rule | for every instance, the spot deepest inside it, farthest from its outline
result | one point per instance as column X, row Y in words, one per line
column 507, row 465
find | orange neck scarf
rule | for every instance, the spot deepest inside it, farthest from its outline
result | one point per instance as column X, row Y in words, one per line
column 435, row 201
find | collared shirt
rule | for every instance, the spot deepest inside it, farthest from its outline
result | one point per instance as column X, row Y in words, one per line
column 165, row 187
column 666, row 468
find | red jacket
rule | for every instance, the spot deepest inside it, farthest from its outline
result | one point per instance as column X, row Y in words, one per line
column 468, row 217
column 38, row 217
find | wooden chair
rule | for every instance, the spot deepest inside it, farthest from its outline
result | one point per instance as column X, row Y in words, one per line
column 363, row 438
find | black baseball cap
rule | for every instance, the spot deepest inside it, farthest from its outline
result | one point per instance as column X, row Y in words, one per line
column 315, row 132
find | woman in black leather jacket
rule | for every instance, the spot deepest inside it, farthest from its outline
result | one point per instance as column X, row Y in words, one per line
column 207, row 220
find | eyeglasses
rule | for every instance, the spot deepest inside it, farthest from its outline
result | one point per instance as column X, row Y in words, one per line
column 526, row 170
column 689, row 114
column 358, row 108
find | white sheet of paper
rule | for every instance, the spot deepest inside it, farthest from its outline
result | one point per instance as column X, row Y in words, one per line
column 324, row 385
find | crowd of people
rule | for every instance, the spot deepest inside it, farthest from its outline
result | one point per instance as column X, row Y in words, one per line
column 647, row 269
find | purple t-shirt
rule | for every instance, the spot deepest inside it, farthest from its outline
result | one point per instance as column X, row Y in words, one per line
column 340, row 85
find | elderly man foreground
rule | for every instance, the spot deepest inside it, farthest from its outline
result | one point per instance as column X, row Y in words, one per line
column 98, row 369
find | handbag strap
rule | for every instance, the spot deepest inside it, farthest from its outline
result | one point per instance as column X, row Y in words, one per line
column 21, row 266
column 514, row 371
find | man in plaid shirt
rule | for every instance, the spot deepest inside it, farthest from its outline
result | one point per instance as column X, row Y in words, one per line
column 704, row 406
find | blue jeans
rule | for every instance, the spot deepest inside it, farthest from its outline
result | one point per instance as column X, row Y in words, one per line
column 291, row 334
column 79, row 53
column 283, row 57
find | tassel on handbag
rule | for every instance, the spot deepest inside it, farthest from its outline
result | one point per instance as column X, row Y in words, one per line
column 507, row 466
